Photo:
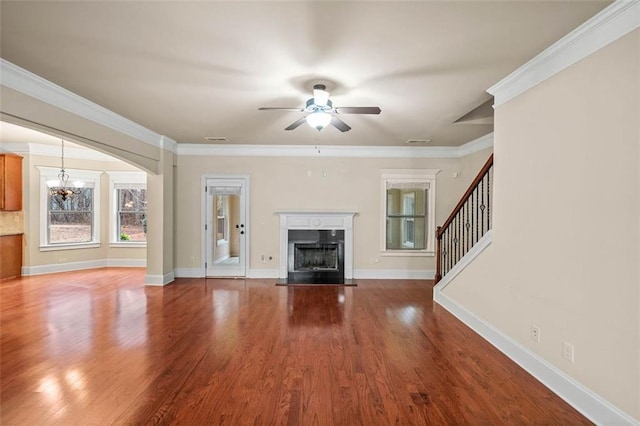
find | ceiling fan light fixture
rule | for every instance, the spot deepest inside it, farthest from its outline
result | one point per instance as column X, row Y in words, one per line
column 318, row 120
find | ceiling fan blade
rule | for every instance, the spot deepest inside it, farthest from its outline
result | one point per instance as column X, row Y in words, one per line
column 339, row 124
column 280, row 109
column 358, row 110
column 296, row 124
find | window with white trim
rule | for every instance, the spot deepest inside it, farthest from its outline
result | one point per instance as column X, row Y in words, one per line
column 128, row 207
column 408, row 212
column 74, row 221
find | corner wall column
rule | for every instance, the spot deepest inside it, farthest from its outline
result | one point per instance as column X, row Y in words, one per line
column 160, row 208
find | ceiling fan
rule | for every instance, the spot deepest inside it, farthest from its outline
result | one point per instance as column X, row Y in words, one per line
column 321, row 111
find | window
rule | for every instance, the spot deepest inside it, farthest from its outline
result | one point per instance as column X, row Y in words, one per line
column 74, row 222
column 408, row 216
column 70, row 220
column 132, row 214
column 222, row 207
column 128, row 206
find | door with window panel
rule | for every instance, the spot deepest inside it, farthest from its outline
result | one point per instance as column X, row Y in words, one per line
column 226, row 229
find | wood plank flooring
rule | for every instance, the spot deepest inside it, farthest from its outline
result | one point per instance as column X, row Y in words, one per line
column 98, row 347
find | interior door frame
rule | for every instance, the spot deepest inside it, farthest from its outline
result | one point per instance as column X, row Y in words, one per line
column 203, row 216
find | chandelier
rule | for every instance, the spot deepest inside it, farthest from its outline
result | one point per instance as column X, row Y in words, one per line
column 61, row 187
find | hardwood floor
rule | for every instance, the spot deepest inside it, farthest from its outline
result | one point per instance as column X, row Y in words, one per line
column 97, row 347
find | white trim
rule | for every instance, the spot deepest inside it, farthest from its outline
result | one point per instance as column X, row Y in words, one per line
column 72, row 246
column 407, row 253
column 591, row 405
column 32, row 85
column 46, row 150
column 423, row 176
column 189, row 273
column 82, row 265
column 159, row 280
column 612, row 23
column 305, row 219
column 474, row 252
column 229, row 150
column 394, row 274
column 63, row 267
column 132, row 244
column 476, row 145
column 203, row 214
column 263, row 273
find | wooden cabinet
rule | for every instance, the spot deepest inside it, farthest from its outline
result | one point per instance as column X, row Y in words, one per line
column 10, row 182
column 10, row 256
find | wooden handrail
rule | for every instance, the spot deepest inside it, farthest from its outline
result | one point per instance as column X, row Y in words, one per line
column 457, row 239
column 467, row 194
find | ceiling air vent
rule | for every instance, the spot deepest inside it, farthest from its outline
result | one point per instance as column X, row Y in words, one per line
column 418, row 141
column 216, row 139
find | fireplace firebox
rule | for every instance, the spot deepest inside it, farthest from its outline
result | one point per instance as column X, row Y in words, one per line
column 316, row 256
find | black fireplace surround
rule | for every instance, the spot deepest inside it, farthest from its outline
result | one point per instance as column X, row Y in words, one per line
column 315, row 256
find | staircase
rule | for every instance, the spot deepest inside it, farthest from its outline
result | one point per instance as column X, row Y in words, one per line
column 468, row 222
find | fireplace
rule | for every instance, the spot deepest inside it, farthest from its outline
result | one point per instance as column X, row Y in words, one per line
column 316, row 247
column 315, row 256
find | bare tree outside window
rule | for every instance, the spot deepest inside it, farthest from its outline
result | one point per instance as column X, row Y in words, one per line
column 71, row 220
column 132, row 214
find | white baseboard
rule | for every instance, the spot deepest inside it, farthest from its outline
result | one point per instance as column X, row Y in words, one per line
column 63, row 267
column 78, row 266
column 263, row 273
column 394, row 274
column 591, row 405
column 159, row 280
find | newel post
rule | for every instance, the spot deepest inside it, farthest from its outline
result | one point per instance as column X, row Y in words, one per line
column 438, row 254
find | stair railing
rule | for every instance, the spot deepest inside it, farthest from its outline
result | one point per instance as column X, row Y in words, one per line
column 467, row 223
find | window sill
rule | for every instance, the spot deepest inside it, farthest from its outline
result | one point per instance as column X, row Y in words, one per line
column 128, row 245
column 408, row 253
column 72, row 246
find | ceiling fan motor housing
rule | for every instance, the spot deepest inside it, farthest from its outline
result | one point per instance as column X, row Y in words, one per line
column 312, row 107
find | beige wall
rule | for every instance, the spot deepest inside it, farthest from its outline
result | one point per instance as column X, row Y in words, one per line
column 281, row 183
column 32, row 255
column 566, row 245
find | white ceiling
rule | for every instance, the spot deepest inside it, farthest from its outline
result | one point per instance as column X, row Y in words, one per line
column 189, row 70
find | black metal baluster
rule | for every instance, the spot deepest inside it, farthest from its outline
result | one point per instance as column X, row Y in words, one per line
column 482, row 205
column 489, row 198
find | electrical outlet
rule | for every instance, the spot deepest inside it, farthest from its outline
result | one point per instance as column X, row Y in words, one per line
column 535, row 333
column 567, row 351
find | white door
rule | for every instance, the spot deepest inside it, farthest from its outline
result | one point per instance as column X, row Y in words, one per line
column 226, row 227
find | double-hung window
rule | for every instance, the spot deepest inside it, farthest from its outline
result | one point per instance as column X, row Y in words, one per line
column 408, row 213
column 74, row 221
column 128, row 205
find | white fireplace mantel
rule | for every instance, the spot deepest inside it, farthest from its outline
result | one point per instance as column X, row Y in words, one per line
column 303, row 219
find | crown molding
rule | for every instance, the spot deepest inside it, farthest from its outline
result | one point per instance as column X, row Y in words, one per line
column 612, row 23
column 30, row 84
column 32, row 148
column 228, row 150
